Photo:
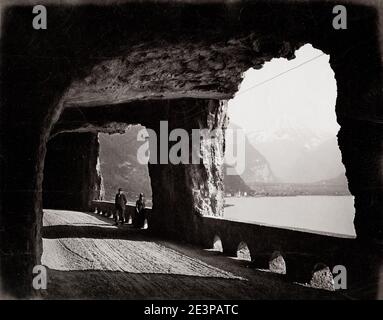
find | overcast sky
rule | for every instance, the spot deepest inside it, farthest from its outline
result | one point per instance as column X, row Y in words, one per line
column 305, row 95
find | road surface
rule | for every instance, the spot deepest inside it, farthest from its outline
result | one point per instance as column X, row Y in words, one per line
column 90, row 258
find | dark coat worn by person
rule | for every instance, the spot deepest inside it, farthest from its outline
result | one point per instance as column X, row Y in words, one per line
column 120, row 201
column 120, row 204
column 140, row 212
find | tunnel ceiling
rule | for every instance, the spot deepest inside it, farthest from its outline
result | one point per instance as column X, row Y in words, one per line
column 196, row 50
column 161, row 70
column 174, row 50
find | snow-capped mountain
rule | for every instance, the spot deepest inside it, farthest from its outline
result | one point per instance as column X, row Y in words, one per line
column 257, row 168
column 289, row 129
column 298, row 154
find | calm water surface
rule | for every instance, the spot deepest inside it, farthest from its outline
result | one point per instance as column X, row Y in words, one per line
column 332, row 214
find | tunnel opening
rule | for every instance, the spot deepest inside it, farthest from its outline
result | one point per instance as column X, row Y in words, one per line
column 243, row 251
column 120, row 168
column 277, row 263
column 293, row 172
column 217, row 244
column 84, row 166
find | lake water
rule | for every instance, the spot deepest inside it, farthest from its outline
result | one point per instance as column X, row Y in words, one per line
column 333, row 214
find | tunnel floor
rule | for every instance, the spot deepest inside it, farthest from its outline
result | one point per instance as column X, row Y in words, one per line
column 90, row 258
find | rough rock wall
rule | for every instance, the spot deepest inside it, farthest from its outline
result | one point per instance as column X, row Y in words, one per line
column 359, row 114
column 184, row 192
column 361, row 143
column 71, row 179
column 167, row 70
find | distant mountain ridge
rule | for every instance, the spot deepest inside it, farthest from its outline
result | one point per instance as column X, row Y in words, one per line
column 257, row 167
column 298, row 154
column 340, row 180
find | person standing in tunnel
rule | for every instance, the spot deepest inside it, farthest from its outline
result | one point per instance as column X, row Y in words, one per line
column 140, row 211
column 120, row 204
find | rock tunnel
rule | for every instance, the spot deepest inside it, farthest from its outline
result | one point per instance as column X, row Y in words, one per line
column 175, row 61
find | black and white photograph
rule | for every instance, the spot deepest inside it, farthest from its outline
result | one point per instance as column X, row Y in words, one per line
column 191, row 150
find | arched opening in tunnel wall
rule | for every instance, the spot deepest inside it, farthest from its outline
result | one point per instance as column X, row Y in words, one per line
column 217, row 244
column 293, row 174
column 120, row 168
column 85, row 166
column 243, row 251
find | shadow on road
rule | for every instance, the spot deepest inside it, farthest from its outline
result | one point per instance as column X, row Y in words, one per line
column 94, row 284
